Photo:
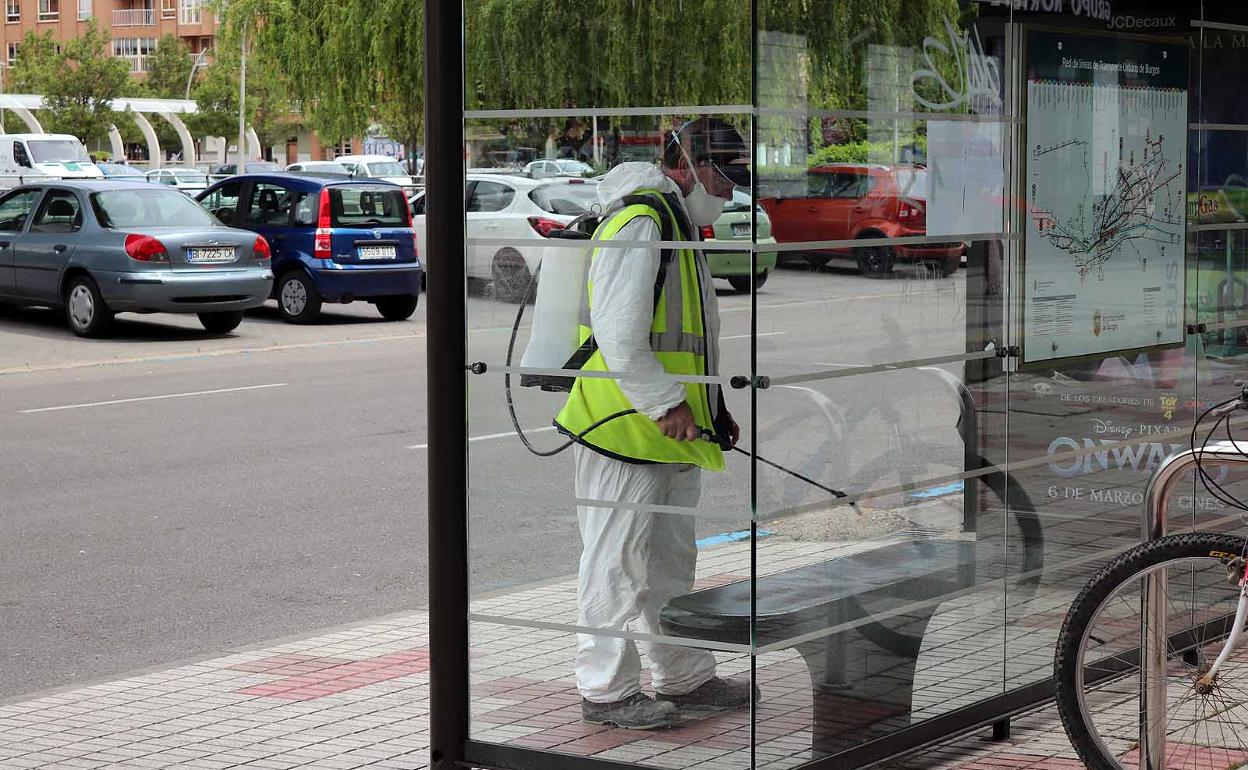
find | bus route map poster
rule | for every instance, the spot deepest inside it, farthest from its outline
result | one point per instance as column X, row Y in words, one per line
column 1106, row 145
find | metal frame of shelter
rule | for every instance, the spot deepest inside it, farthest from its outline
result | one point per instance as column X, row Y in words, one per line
column 451, row 742
column 170, row 110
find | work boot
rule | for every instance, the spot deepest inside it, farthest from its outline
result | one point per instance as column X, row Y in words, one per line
column 716, row 694
column 636, row 712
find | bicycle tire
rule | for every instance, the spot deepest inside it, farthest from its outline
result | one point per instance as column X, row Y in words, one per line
column 1084, row 610
column 1005, row 487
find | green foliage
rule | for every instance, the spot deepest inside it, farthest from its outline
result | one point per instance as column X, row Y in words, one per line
column 863, row 151
column 169, row 68
column 268, row 105
column 78, row 82
column 350, row 63
column 38, row 63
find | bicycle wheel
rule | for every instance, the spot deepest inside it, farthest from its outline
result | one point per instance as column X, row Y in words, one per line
column 1097, row 664
column 1018, row 554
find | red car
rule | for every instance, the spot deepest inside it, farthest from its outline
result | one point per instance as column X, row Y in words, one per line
column 850, row 201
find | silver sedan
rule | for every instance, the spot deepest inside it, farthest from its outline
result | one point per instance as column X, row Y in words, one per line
column 97, row 248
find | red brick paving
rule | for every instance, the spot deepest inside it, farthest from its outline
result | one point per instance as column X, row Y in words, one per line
column 308, row 678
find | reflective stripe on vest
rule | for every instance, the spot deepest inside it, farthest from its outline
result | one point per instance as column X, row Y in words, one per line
column 677, row 339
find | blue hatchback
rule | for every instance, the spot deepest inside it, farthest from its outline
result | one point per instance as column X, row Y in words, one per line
column 332, row 240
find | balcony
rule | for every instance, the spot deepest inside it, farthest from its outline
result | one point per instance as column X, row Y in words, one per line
column 135, row 17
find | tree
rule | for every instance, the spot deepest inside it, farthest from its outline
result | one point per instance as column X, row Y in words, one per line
column 78, row 82
column 268, row 108
column 169, row 68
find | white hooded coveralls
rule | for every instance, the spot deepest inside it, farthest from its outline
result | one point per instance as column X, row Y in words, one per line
column 634, row 561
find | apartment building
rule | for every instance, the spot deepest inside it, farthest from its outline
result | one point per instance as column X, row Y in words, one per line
column 135, row 27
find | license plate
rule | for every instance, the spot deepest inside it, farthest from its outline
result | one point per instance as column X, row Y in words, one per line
column 377, row 252
column 741, row 229
column 211, row 254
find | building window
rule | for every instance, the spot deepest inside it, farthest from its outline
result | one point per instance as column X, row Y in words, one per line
column 192, row 11
column 49, row 10
column 12, row 59
column 84, row 10
column 136, row 49
column 168, row 9
column 12, row 11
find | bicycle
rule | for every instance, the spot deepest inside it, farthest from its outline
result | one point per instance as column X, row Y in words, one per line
column 1193, row 703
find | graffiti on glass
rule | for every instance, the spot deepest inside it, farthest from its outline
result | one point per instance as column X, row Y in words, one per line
column 977, row 77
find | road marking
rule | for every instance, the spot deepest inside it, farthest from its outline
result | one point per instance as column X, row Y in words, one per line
column 489, row 436
column 151, row 398
column 171, row 357
column 747, row 336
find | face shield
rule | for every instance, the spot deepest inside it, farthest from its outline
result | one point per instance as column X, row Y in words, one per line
column 715, row 145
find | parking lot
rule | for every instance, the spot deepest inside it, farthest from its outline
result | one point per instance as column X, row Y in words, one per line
column 168, row 493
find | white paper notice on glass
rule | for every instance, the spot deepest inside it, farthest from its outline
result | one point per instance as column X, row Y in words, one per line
column 965, row 178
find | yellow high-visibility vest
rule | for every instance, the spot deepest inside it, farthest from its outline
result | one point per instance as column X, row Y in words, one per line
column 678, row 339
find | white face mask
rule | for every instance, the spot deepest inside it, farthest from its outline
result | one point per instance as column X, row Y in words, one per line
column 702, row 207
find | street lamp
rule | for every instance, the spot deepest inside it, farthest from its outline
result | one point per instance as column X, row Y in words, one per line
column 242, row 99
column 190, row 79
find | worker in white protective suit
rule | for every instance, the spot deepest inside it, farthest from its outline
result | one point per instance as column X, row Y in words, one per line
column 650, row 317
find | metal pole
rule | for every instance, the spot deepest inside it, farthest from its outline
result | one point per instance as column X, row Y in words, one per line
column 1153, row 637
column 448, row 402
column 242, row 100
column 190, row 79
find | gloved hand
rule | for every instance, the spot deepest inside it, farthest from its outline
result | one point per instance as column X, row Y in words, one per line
column 678, row 423
column 734, row 430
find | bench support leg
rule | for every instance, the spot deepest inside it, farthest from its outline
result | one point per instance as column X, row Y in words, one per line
column 1001, row 730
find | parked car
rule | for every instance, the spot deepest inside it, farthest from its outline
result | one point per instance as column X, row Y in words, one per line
column 60, row 156
column 325, row 167
column 540, row 169
column 97, row 248
column 333, row 240
column 188, row 180
column 121, row 171
column 734, row 225
column 850, row 201
column 379, row 167
column 226, row 170
column 516, row 208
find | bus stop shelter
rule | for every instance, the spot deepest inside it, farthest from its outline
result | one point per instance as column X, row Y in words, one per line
column 945, row 433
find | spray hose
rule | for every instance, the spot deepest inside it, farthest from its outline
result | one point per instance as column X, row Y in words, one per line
column 704, row 434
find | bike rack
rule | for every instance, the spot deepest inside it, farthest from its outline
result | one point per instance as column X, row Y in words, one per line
column 1153, row 627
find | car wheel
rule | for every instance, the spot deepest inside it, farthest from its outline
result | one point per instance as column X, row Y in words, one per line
column 949, row 266
column 742, row 282
column 223, row 322
column 298, row 298
column 397, row 308
column 875, row 261
column 509, row 276
column 85, row 310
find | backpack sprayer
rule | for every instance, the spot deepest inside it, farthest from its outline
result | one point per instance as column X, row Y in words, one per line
column 554, row 342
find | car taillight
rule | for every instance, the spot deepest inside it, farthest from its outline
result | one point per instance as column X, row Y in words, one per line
column 323, row 245
column 544, row 226
column 909, row 212
column 708, row 232
column 145, row 248
column 261, row 249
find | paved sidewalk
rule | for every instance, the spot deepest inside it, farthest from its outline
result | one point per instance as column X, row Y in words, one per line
column 358, row 697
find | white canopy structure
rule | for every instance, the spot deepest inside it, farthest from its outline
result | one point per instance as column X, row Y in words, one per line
column 24, row 105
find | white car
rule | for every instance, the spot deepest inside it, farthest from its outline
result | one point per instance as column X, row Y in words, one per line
column 541, row 169
column 518, row 209
column 320, row 167
column 188, row 180
column 379, row 167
